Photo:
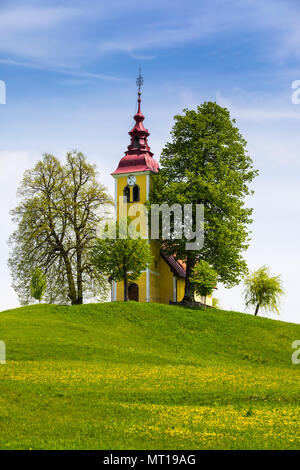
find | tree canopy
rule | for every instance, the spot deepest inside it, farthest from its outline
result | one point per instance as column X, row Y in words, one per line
column 57, row 217
column 206, row 163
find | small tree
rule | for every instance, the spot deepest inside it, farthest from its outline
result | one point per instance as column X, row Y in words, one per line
column 263, row 290
column 38, row 284
column 123, row 259
column 204, row 279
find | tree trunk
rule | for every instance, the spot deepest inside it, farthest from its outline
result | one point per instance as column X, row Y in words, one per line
column 205, row 302
column 79, row 277
column 79, row 299
column 189, row 288
column 256, row 310
column 125, row 287
column 71, row 283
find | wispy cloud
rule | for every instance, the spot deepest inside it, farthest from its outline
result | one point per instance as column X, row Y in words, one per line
column 49, row 33
column 70, row 72
column 195, row 21
column 33, row 19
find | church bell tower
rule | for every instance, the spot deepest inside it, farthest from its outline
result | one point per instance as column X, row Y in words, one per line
column 133, row 181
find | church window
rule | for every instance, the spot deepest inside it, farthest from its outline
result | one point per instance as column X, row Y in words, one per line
column 137, row 142
column 136, row 193
column 126, row 194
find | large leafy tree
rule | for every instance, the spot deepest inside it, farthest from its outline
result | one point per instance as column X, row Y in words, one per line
column 263, row 290
column 123, row 259
column 206, row 163
column 60, row 208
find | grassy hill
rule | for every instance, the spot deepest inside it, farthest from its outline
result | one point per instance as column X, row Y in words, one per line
column 146, row 376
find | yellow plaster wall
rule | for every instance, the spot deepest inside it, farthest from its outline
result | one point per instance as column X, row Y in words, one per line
column 123, row 207
column 166, row 283
column 200, row 298
column 155, row 252
column 141, row 282
column 180, row 289
column 155, row 281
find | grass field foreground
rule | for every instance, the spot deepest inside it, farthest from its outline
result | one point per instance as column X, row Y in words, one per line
column 147, row 376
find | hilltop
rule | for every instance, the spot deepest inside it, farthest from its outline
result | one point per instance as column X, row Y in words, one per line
column 146, row 376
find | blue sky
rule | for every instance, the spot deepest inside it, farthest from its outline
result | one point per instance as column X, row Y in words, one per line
column 70, row 69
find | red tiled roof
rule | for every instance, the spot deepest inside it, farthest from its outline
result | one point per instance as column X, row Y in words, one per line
column 174, row 265
column 137, row 162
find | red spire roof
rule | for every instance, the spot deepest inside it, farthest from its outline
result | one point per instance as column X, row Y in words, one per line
column 138, row 156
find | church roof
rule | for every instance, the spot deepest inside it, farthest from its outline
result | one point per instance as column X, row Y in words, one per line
column 174, row 265
column 138, row 156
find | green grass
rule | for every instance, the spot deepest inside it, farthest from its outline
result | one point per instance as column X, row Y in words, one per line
column 146, row 376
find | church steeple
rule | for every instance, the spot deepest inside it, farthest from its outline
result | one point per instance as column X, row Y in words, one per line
column 138, row 133
column 138, row 156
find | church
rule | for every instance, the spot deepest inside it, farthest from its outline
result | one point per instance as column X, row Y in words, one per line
column 164, row 280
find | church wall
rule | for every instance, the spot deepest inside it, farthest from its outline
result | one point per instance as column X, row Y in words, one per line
column 180, row 289
column 155, row 281
column 166, row 282
column 141, row 282
column 121, row 183
column 155, row 252
column 200, row 298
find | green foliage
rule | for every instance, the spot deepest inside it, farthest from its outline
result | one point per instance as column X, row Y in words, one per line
column 146, row 376
column 204, row 278
column 263, row 290
column 38, row 284
column 123, row 259
column 207, row 163
column 57, row 218
column 215, row 303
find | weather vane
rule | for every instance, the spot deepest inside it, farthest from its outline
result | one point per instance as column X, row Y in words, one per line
column 139, row 81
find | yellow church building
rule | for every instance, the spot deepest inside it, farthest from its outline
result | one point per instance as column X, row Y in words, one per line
column 164, row 280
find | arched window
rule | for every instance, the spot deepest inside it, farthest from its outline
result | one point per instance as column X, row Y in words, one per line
column 136, row 193
column 137, row 142
column 126, row 194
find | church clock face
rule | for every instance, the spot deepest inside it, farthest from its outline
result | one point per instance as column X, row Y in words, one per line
column 131, row 179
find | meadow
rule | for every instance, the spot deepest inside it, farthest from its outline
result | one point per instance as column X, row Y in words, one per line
column 147, row 376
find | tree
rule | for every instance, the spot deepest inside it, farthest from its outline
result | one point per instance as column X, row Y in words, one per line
column 206, row 163
column 204, row 278
column 123, row 259
column 38, row 284
column 263, row 290
column 57, row 219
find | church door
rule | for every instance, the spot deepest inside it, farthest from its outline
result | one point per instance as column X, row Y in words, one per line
column 133, row 292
